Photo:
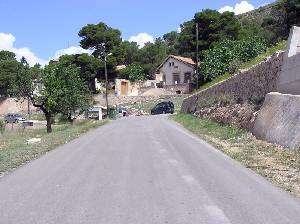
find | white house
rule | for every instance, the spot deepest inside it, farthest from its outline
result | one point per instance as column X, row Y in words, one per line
column 175, row 70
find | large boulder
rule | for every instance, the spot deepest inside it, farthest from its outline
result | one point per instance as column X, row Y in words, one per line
column 278, row 121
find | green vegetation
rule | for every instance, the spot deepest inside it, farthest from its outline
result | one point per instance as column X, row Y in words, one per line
column 14, row 151
column 63, row 89
column 260, row 58
column 214, row 27
column 9, row 68
column 133, row 72
column 292, row 8
column 207, row 127
column 2, row 126
column 277, row 164
column 215, row 81
column 228, row 55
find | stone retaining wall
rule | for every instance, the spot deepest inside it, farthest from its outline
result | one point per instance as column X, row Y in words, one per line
column 117, row 100
column 252, row 84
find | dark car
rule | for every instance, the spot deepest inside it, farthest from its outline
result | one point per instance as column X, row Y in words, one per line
column 163, row 108
column 14, row 118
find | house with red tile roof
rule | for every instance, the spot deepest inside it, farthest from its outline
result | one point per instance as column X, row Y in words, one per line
column 175, row 70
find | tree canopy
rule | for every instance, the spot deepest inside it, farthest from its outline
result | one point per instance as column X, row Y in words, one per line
column 133, row 72
column 9, row 68
column 99, row 38
column 63, row 90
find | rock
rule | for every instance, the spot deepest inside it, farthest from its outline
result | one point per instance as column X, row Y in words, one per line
column 33, row 141
column 278, row 121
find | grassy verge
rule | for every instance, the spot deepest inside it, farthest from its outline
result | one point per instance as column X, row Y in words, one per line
column 147, row 106
column 14, row 150
column 278, row 47
column 215, row 81
column 279, row 165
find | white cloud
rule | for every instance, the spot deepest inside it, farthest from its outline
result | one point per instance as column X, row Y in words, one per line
column 69, row 51
column 179, row 30
column 239, row 8
column 7, row 43
column 141, row 39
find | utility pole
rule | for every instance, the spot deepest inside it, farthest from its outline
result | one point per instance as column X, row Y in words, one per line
column 28, row 107
column 197, row 54
column 106, row 84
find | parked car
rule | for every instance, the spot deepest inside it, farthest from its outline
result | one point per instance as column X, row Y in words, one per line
column 14, row 118
column 163, row 108
column 123, row 111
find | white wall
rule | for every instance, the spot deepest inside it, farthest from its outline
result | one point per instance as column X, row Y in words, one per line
column 289, row 81
column 181, row 70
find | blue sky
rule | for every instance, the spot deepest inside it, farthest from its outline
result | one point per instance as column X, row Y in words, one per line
column 43, row 29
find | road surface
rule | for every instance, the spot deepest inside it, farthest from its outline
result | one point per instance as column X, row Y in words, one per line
column 141, row 170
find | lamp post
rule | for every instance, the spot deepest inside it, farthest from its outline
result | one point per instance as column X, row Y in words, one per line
column 106, row 81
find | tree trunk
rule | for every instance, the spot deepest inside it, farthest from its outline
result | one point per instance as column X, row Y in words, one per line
column 48, row 119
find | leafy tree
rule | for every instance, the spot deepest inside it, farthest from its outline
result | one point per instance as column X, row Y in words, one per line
column 75, row 96
column 213, row 28
column 292, row 8
column 133, row 72
column 63, row 90
column 151, row 56
column 186, row 43
column 126, row 53
column 250, row 28
column 100, row 38
column 228, row 55
column 88, row 64
column 171, row 40
column 9, row 68
column 7, row 56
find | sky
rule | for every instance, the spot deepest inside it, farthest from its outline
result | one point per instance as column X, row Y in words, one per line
column 43, row 30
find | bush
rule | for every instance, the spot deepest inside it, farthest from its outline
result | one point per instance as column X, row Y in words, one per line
column 112, row 112
column 133, row 72
column 228, row 55
column 2, row 126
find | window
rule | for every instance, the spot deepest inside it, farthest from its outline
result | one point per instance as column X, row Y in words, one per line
column 170, row 64
column 187, row 77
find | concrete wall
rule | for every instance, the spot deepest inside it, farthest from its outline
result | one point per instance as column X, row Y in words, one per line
column 178, row 68
column 252, row 84
column 289, row 81
column 10, row 105
column 278, row 121
column 134, row 88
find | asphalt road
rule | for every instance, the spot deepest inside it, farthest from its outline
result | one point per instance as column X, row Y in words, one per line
column 141, row 170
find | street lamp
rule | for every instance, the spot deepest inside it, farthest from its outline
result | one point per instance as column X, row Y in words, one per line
column 106, row 81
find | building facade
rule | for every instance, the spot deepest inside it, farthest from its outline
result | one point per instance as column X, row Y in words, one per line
column 175, row 70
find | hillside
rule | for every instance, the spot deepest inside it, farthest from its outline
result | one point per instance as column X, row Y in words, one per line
column 271, row 17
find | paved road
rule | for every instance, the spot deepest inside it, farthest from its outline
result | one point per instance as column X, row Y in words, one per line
column 143, row 170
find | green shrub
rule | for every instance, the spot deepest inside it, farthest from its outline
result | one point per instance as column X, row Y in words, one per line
column 112, row 112
column 133, row 72
column 2, row 126
column 227, row 56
